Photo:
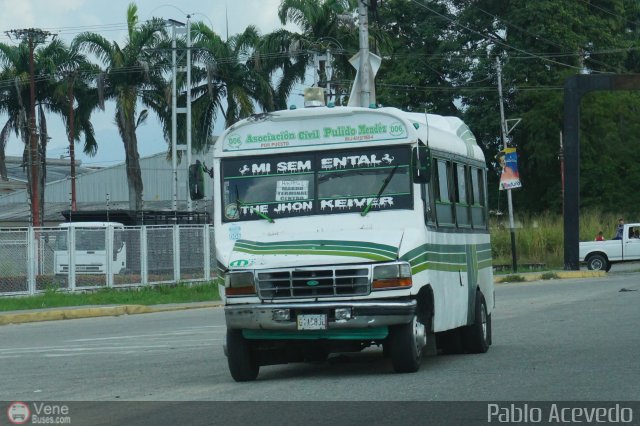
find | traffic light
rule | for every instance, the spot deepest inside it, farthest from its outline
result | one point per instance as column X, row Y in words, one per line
column 196, row 181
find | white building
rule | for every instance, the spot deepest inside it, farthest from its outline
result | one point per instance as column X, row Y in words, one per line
column 107, row 189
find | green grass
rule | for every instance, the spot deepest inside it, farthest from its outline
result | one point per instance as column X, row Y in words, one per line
column 540, row 238
column 513, row 279
column 549, row 276
column 52, row 298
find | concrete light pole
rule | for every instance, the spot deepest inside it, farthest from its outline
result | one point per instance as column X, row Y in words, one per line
column 174, row 113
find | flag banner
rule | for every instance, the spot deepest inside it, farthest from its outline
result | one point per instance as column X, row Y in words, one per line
column 510, row 177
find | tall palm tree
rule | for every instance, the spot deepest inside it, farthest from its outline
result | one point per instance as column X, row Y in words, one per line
column 228, row 79
column 133, row 75
column 60, row 67
column 324, row 24
column 50, row 62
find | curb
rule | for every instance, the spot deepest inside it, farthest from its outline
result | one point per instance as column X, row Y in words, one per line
column 18, row 317
column 102, row 311
column 535, row 276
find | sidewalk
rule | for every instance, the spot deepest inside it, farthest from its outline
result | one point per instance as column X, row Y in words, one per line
column 535, row 276
column 54, row 314
column 75, row 312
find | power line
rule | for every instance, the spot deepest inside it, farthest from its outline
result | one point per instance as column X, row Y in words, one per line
column 492, row 39
column 538, row 37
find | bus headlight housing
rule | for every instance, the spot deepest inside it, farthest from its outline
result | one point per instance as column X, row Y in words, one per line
column 392, row 276
column 239, row 284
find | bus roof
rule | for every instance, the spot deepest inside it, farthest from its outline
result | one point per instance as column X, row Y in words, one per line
column 320, row 128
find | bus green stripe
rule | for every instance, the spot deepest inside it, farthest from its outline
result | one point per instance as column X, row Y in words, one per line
column 364, row 255
column 318, row 245
column 327, row 247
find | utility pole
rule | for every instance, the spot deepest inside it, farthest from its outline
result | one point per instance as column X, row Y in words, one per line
column 72, row 155
column 189, row 204
column 503, row 128
column 363, row 20
column 174, row 111
column 561, row 157
column 33, row 36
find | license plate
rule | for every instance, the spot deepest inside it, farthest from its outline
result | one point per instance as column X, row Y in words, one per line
column 312, row 322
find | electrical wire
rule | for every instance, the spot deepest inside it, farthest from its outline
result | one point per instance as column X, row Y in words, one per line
column 492, row 39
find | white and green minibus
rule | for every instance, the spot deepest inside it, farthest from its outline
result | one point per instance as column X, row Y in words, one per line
column 341, row 228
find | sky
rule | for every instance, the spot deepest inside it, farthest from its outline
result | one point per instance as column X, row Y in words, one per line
column 67, row 18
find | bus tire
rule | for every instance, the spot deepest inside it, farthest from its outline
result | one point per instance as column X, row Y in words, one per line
column 597, row 262
column 406, row 344
column 242, row 362
column 477, row 335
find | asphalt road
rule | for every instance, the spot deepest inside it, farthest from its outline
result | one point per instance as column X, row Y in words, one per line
column 565, row 340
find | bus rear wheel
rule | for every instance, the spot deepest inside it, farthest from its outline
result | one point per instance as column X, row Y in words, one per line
column 477, row 336
column 406, row 344
column 242, row 361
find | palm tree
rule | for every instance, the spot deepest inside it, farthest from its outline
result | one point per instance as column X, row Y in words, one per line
column 229, row 79
column 133, row 75
column 50, row 62
column 324, row 24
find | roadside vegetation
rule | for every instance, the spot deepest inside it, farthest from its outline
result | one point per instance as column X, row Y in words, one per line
column 52, row 297
column 539, row 238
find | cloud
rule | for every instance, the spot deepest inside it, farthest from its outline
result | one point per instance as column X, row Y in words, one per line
column 67, row 18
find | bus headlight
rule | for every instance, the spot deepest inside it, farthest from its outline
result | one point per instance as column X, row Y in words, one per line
column 392, row 276
column 239, row 284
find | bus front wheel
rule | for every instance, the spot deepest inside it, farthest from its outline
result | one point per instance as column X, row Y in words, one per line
column 242, row 361
column 406, row 344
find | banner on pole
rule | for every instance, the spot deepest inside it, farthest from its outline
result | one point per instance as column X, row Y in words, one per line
column 510, row 177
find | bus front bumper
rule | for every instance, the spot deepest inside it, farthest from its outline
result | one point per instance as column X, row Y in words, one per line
column 339, row 315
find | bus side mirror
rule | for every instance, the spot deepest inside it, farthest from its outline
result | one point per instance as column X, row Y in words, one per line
column 196, row 181
column 421, row 164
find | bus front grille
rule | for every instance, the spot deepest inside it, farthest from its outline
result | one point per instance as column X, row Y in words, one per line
column 313, row 282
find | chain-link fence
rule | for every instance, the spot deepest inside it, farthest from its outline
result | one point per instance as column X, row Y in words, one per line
column 14, row 263
column 83, row 256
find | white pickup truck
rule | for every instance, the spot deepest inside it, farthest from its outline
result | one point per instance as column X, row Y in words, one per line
column 600, row 255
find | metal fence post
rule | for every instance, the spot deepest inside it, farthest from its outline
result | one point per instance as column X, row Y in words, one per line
column 71, row 249
column 144, row 270
column 206, row 246
column 31, row 260
column 108, row 254
column 176, row 253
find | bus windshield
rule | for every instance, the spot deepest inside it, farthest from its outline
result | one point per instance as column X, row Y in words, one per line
column 327, row 182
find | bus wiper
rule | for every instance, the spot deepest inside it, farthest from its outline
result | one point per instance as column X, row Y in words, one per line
column 382, row 188
column 240, row 203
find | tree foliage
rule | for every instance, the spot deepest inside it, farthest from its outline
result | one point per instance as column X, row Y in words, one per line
column 444, row 60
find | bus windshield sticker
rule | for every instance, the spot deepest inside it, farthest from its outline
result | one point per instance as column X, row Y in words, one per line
column 292, row 190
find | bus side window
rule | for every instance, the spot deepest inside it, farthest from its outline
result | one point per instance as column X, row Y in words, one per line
column 462, row 197
column 443, row 196
column 429, row 208
column 478, row 204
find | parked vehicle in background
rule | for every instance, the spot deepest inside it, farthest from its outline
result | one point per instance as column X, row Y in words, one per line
column 600, row 255
column 91, row 256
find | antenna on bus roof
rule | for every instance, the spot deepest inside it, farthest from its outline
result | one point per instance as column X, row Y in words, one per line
column 426, row 120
